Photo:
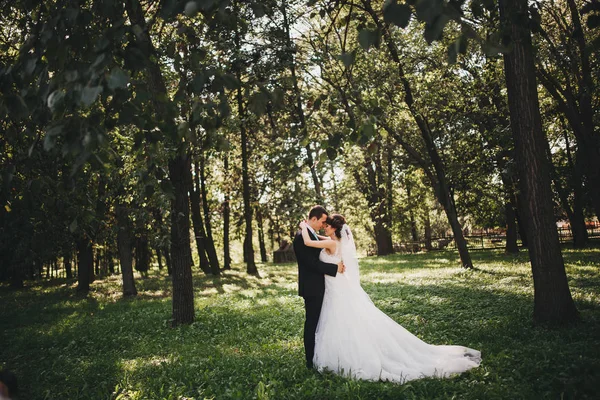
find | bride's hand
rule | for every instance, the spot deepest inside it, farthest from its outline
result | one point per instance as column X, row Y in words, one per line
column 303, row 225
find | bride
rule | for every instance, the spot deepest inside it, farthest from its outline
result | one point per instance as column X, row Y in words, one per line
column 356, row 339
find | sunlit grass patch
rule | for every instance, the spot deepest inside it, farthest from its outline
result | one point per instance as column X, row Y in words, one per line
column 246, row 341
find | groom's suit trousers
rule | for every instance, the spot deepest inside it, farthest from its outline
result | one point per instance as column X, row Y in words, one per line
column 312, row 305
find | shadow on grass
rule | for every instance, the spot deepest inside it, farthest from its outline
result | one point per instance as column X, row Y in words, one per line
column 248, row 333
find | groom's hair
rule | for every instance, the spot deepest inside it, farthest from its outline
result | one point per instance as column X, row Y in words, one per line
column 317, row 211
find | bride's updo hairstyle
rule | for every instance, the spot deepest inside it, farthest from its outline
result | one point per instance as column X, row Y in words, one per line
column 336, row 221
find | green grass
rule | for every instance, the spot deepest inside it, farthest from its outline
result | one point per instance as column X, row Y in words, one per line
column 247, row 338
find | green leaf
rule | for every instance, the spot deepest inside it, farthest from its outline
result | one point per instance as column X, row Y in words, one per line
column 397, row 14
column 73, row 226
column 55, row 99
column 593, row 21
column 331, row 153
column 117, row 79
column 452, row 53
column 368, row 38
column 258, row 9
column 434, row 31
column 191, row 8
column 198, row 83
column 428, row 10
column 348, row 58
column 89, row 94
column 258, row 103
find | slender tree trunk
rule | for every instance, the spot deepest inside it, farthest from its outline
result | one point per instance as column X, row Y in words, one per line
column 197, row 223
column 413, row 222
column 168, row 261
column 261, row 236
column 298, row 106
column 591, row 142
column 85, row 257
column 389, row 188
column 428, row 232
column 210, row 242
column 246, row 194
column 159, row 258
column 111, row 261
column 552, row 298
column 226, row 219
column 125, row 249
column 142, row 252
column 511, row 229
column 442, row 187
column 67, row 264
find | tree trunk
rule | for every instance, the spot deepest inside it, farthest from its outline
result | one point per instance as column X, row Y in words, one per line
column 442, row 188
column 226, row 219
column 301, row 118
column 159, row 258
column 261, row 236
column 142, row 255
column 111, row 261
column 198, row 224
column 168, row 261
column 210, row 242
column 183, row 293
column 411, row 213
column 428, row 245
column 246, row 194
column 125, row 249
column 183, row 290
column 511, row 229
column 552, row 298
column 67, row 264
column 85, row 257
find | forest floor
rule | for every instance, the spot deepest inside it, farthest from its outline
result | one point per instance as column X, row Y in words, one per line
column 247, row 338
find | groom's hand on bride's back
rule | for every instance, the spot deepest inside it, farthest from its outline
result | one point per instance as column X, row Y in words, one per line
column 341, row 267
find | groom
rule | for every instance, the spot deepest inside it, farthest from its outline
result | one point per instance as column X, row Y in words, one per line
column 311, row 278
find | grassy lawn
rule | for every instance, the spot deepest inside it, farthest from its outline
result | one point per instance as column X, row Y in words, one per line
column 247, row 338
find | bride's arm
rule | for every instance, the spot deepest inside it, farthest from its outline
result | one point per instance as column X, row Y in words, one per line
column 323, row 237
column 320, row 244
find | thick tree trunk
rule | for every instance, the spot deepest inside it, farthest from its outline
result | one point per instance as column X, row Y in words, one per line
column 183, row 294
column 198, row 224
column 183, row 290
column 210, row 242
column 125, row 249
column 85, row 257
column 552, row 298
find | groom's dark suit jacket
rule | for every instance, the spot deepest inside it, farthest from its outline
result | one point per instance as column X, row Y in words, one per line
column 311, row 281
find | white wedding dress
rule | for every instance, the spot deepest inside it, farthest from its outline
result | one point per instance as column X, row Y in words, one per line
column 356, row 339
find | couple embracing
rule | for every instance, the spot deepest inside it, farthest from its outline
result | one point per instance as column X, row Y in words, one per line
column 344, row 331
